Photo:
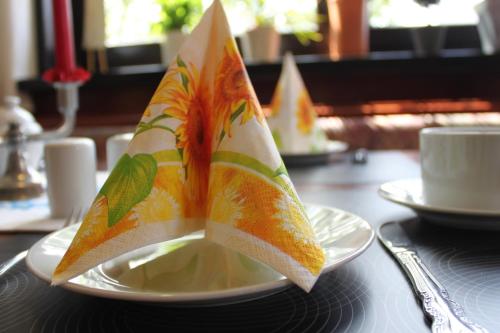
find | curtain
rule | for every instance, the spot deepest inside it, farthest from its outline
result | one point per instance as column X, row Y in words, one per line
column 7, row 85
column 349, row 30
column 94, row 25
column 17, row 44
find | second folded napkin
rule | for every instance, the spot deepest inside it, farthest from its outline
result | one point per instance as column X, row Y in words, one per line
column 293, row 117
column 202, row 157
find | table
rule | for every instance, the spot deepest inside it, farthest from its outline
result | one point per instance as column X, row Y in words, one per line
column 369, row 294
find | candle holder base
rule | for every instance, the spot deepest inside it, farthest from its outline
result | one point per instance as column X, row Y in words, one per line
column 19, row 181
column 12, row 188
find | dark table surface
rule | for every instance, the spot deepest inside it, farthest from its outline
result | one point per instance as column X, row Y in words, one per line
column 369, row 294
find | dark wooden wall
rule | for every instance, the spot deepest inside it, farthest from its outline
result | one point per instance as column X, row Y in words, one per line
column 120, row 97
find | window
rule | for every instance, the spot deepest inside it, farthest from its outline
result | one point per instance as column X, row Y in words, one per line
column 407, row 13
column 128, row 22
column 131, row 41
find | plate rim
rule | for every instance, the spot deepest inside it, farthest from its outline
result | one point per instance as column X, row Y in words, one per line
column 326, row 152
column 426, row 207
column 265, row 288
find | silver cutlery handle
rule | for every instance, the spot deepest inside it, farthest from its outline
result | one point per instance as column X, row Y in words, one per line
column 447, row 316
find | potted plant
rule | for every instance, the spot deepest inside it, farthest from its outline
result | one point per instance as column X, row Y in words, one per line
column 177, row 17
column 428, row 41
column 263, row 42
column 298, row 21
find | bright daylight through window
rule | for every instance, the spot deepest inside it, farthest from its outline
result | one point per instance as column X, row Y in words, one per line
column 407, row 13
column 130, row 21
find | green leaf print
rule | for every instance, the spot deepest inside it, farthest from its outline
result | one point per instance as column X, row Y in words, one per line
column 185, row 82
column 277, row 139
column 130, row 182
column 233, row 117
column 281, row 170
column 180, row 62
column 146, row 126
column 238, row 111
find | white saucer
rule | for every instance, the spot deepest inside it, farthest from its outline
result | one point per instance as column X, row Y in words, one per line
column 332, row 147
column 408, row 192
column 342, row 235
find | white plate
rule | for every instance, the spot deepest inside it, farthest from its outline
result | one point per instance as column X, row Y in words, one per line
column 332, row 147
column 342, row 235
column 408, row 192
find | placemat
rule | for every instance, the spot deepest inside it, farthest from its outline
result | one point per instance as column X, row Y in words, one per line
column 370, row 294
column 32, row 215
column 28, row 216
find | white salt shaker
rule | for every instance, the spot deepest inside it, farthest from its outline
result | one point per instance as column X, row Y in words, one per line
column 116, row 146
column 71, row 175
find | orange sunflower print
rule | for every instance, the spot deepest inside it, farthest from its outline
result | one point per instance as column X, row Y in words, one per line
column 162, row 93
column 233, row 91
column 276, row 101
column 188, row 100
column 306, row 115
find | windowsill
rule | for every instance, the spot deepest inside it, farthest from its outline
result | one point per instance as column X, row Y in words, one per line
column 318, row 58
column 378, row 59
column 119, row 97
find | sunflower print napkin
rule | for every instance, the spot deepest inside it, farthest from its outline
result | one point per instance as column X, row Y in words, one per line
column 202, row 157
column 293, row 119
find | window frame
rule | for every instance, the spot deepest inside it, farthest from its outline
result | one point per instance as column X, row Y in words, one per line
column 381, row 40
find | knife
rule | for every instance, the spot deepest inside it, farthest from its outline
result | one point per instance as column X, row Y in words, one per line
column 445, row 314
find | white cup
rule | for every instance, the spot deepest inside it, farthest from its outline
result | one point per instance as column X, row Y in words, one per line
column 116, row 146
column 71, row 175
column 460, row 167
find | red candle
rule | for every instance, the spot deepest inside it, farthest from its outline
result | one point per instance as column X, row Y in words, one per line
column 63, row 28
column 65, row 69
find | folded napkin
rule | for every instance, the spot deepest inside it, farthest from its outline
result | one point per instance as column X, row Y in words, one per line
column 202, row 157
column 293, row 118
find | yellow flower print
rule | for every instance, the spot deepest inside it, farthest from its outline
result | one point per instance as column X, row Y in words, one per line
column 276, row 101
column 94, row 231
column 233, row 92
column 281, row 225
column 227, row 206
column 306, row 115
column 159, row 206
column 188, row 100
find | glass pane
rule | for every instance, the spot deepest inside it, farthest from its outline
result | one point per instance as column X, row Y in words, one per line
column 129, row 21
column 407, row 13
